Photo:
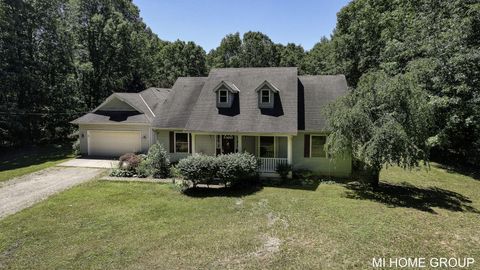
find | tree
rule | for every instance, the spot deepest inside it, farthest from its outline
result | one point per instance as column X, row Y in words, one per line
column 320, row 59
column 227, row 54
column 290, row 55
column 181, row 59
column 439, row 39
column 258, row 50
column 385, row 121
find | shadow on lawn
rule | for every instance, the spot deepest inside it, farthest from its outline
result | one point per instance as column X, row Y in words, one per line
column 409, row 196
column 473, row 172
column 205, row 192
column 32, row 155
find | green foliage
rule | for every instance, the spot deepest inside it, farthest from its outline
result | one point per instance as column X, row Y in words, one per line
column 118, row 172
column 60, row 59
column 143, row 169
column 237, row 168
column 157, row 162
column 198, row 168
column 436, row 41
column 283, row 169
column 232, row 168
column 386, row 120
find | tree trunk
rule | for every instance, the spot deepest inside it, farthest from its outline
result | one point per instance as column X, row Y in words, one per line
column 367, row 174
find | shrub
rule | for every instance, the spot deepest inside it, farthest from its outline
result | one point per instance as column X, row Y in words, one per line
column 283, row 169
column 121, row 173
column 236, row 168
column 158, row 161
column 143, row 169
column 198, row 168
column 302, row 174
column 129, row 162
column 76, row 147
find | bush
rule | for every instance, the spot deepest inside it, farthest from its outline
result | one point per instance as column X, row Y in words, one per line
column 143, row 169
column 198, row 168
column 76, row 147
column 283, row 169
column 158, row 161
column 237, row 168
column 121, row 173
column 129, row 162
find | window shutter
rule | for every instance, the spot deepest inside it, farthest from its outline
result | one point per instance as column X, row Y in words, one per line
column 306, row 144
column 189, row 143
column 172, row 142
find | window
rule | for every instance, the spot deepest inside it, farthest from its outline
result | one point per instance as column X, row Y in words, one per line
column 267, row 147
column 265, row 96
column 222, row 96
column 317, row 146
column 181, row 142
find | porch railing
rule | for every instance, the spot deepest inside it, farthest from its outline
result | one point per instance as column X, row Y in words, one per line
column 269, row 165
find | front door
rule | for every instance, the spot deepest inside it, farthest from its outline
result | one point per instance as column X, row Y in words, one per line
column 228, row 144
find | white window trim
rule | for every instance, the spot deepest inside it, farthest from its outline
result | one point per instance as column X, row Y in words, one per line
column 311, row 143
column 219, row 95
column 261, row 95
column 175, row 141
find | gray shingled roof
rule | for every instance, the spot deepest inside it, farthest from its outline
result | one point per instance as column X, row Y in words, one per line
column 318, row 91
column 245, row 115
column 191, row 103
column 112, row 117
column 155, row 97
column 176, row 110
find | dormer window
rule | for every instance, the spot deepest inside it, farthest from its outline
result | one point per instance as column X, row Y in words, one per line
column 223, row 96
column 265, row 96
column 267, row 93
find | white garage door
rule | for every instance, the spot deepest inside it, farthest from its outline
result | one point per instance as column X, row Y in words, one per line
column 113, row 143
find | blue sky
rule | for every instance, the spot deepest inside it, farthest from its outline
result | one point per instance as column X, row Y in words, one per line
column 206, row 22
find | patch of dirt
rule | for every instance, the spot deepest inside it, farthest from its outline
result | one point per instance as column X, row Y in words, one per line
column 270, row 246
column 238, row 202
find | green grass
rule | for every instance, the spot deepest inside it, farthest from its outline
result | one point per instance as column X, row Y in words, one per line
column 112, row 225
column 17, row 162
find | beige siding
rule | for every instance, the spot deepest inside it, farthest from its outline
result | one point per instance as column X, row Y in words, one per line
column 205, row 144
column 164, row 139
column 339, row 167
column 145, row 134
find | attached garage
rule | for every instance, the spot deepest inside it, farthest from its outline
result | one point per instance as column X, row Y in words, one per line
column 113, row 143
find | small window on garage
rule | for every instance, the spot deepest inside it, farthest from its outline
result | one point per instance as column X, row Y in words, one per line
column 318, row 146
column 181, row 142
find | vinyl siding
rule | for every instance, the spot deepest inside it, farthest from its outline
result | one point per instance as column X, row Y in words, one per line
column 340, row 167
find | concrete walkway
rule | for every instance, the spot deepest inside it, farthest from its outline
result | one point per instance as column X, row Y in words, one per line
column 26, row 190
column 90, row 163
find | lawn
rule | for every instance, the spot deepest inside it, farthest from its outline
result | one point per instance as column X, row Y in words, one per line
column 17, row 162
column 335, row 226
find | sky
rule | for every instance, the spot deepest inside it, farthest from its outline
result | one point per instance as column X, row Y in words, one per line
column 206, row 22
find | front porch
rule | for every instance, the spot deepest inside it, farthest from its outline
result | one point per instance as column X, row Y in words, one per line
column 270, row 149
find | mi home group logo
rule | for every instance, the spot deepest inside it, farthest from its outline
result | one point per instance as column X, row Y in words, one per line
column 420, row 262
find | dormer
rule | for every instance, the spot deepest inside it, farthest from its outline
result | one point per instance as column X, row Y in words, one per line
column 266, row 95
column 225, row 94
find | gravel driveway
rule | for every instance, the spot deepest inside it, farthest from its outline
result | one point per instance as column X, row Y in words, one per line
column 24, row 191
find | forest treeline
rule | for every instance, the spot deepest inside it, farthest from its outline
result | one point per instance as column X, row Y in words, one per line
column 61, row 58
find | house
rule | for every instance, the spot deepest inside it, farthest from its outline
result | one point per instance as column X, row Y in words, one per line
column 272, row 113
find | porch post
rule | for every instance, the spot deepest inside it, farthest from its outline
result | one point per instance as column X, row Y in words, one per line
column 193, row 144
column 289, row 150
column 239, row 144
